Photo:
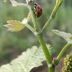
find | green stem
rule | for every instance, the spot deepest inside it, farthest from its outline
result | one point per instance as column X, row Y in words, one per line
column 51, row 69
column 44, row 48
column 33, row 16
column 34, row 20
column 46, row 53
column 30, row 27
column 63, row 51
column 52, row 16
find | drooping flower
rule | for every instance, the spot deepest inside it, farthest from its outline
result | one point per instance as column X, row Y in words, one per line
column 14, row 25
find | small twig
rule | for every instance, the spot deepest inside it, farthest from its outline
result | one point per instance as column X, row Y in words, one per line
column 26, row 24
column 15, row 3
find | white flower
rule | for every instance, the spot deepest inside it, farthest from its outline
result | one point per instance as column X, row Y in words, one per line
column 14, row 25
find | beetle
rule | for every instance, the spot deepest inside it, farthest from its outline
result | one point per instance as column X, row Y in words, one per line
column 37, row 9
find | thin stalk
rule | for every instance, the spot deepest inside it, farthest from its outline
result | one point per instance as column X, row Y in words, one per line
column 33, row 16
column 52, row 16
column 63, row 51
column 35, row 23
column 30, row 27
column 15, row 3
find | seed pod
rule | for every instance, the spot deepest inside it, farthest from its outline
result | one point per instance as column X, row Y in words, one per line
column 38, row 10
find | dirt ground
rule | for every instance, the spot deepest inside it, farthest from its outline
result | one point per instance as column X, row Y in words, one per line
column 44, row 68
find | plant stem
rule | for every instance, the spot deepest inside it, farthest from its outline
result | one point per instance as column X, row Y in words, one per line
column 63, row 51
column 44, row 48
column 42, row 42
column 51, row 69
column 55, row 9
column 46, row 52
column 35, row 23
column 33, row 16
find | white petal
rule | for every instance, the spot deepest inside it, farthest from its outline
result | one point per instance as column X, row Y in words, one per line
column 25, row 21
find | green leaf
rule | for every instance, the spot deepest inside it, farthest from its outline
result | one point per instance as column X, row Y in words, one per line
column 33, row 57
column 66, row 36
column 25, row 62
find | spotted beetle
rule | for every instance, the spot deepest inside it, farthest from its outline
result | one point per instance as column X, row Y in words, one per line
column 38, row 10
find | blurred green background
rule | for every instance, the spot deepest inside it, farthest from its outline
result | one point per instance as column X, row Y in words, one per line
column 12, row 44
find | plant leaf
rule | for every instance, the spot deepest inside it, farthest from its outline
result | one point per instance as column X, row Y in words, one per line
column 33, row 57
column 66, row 36
column 25, row 62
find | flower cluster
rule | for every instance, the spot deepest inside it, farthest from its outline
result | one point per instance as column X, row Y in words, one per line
column 67, row 64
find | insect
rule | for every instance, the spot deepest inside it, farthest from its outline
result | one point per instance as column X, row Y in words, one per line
column 38, row 10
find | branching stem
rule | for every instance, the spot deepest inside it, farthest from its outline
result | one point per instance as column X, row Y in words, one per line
column 43, row 44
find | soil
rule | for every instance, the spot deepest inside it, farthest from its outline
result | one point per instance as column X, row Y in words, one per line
column 42, row 68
